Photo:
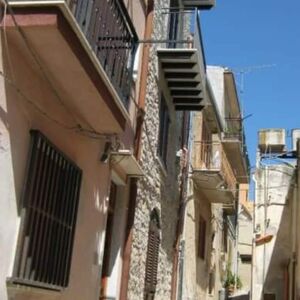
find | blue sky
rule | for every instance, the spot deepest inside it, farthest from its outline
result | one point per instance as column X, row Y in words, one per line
column 242, row 33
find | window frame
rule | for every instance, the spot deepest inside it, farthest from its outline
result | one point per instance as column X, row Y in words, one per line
column 49, row 210
column 163, row 133
column 202, row 227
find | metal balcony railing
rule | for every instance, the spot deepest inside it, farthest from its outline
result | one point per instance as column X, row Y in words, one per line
column 234, row 131
column 111, row 34
column 212, row 157
column 181, row 54
column 182, row 30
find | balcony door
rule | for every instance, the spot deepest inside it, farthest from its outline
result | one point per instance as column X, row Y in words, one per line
column 114, row 241
column 173, row 23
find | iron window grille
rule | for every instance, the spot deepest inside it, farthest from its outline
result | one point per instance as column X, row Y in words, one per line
column 49, row 210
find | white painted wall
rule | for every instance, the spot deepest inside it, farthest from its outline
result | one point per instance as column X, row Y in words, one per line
column 215, row 75
column 270, row 259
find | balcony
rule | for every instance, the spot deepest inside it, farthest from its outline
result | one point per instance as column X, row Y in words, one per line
column 96, row 43
column 201, row 4
column 212, row 173
column 181, row 58
column 234, row 143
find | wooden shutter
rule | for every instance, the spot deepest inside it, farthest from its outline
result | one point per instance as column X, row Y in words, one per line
column 152, row 259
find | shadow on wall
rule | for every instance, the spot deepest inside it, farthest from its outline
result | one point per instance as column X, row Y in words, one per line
column 275, row 282
column 203, row 207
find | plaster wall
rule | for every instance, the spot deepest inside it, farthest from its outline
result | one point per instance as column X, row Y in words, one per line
column 196, row 269
column 215, row 76
column 272, row 216
column 34, row 106
column 245, row 248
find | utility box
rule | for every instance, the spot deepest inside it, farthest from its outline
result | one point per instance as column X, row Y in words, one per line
column 271, row 140
column 295, row 137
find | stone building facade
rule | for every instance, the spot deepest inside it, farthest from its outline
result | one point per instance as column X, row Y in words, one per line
column 159, row 189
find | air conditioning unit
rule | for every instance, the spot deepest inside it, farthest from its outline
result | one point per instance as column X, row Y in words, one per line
column 295, row 137
column 271, row 140
column 201, row 4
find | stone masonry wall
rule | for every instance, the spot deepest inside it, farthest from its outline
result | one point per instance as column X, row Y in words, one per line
column 159, row 188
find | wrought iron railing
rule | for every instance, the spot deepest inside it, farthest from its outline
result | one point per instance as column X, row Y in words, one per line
column 181, row 30
column 110, row 32
column 212, row 157
column 234, row 131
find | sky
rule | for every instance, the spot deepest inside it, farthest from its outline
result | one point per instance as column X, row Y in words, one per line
column 265, row 35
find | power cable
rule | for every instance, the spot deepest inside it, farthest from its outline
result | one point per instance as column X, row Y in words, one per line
column 90, row 133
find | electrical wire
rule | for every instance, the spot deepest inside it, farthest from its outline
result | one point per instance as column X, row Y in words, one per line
column 37, row 61
column 89, row 133
column 33, row 104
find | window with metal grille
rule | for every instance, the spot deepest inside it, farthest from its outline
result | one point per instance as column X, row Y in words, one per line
column 152, row 256
column 211, row 283
column 164, row 122
column 50, row 203
column 201, row 237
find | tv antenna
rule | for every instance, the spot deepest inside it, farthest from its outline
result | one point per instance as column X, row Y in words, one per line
column 249, row 69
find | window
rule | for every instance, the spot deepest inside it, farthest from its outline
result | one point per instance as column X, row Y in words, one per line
column 211, row 283
column 173, row 24
column 164, row 121
column 201, row 238
column 246, row 258
column 50, row 203
column 152, row 256
column 206, row 149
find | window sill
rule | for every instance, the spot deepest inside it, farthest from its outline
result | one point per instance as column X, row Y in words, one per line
column 16, row 286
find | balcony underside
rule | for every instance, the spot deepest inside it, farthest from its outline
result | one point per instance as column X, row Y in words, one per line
column 182, row 73
column 211, row 183
column 201, row 4
column 234, row 153
column 71, row 68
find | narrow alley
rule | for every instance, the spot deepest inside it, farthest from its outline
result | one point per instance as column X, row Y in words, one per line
column 133, row 165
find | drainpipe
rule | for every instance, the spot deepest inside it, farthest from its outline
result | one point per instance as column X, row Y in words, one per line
column 138, row 135
column 253, row 261
column 178, row 246
column 253, row 245
column 296, row 195
column 294, row 236
column 266, row 203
